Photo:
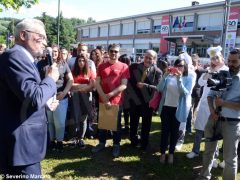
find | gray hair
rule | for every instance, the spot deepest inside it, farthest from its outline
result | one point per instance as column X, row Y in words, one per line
column 152, row 52
column 27, row 24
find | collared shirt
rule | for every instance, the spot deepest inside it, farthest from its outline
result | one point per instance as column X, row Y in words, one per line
column 232, row 94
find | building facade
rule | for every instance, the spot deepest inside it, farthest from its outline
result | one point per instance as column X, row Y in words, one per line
column 193, row 28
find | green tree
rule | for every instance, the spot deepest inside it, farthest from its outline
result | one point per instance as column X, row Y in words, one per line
column 90, row 20
column 51, row 28
column 67, row 32
column 16, row 4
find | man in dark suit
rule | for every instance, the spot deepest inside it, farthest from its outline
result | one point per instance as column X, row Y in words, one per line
column 143, row 80
column 23, row 99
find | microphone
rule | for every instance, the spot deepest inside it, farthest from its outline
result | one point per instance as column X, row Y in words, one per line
column 49, row 55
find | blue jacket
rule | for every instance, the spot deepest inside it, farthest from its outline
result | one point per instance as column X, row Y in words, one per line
column 23, row 97
column 185, row 86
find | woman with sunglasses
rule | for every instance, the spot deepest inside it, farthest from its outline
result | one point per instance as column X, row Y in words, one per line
column 176, row 87
column 216, row 64
column 84, row 79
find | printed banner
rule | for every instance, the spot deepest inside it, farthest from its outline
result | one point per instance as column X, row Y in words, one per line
column 231, row 30
column 164, row 32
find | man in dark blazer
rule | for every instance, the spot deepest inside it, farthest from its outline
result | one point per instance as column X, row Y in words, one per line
column 142, row 83
column 23, row 99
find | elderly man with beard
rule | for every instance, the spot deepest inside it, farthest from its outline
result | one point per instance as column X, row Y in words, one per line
column 229, row 123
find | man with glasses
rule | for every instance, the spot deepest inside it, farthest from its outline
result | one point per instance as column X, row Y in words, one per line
column 229, row 123
column 23, row 99
column 111, row 81
column 144, row 77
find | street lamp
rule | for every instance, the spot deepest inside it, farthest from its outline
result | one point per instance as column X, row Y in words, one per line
column 225, row 25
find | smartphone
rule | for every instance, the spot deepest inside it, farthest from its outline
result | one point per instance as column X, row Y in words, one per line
column 172, row 70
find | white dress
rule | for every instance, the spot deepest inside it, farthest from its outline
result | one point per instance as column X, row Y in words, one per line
column 203, row 109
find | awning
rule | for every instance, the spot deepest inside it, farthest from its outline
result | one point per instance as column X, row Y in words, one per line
column 190, row 38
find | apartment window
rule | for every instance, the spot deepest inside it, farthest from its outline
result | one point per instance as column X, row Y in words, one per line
column 115, row 30
column 104, row 31
column 143, row 27
column 93, row 32
column 128, row 29
column 210, row 22
column 85, row 33
column 157, row 25
column 140, row 52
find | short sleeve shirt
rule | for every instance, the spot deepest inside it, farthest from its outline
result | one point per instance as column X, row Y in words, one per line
column 84, row 79
column 63, row 69
column 111, row 77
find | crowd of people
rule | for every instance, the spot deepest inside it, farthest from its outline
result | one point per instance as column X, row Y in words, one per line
column 75, row 87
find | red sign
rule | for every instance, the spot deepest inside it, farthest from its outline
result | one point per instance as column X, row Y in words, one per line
column 164, row 32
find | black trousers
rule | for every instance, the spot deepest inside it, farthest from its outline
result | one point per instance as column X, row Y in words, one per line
column 170, row 128
column 32, row 171
column 135, row 113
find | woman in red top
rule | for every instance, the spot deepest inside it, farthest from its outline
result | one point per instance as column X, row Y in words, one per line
column 83, row 83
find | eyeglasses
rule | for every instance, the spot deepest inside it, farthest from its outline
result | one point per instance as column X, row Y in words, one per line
column 113, row 51
column 41, row 36
column 180, row 65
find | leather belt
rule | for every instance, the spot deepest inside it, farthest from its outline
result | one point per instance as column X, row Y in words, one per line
column 228, row 119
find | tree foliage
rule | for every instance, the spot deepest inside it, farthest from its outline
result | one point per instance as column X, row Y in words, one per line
column 16, row 4
column 67, row 33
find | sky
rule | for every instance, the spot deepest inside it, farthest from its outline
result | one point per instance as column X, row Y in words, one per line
column 99, row 10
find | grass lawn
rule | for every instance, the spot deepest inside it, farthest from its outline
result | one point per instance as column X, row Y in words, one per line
column 75, row 163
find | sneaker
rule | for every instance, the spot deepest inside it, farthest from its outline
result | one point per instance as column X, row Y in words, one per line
column 162, row 158
column 222, row 165
column 73, row 143
column 192, row 155
column 116, row 150
column 81, row 144
column 98, row 148
column 178, row 146
column 215, row 163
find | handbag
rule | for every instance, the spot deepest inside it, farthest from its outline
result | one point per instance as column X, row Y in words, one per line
column 155, row 101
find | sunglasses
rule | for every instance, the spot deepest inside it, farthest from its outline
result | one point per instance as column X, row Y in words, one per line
column 113, row 51
column 235, row 51
column 180, row 65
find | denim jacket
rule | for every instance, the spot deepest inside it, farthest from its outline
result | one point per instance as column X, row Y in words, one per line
column 185, row 86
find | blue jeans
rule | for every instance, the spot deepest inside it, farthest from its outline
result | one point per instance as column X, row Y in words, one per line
column 102, row 134
column 197, row 141
column 56, row 121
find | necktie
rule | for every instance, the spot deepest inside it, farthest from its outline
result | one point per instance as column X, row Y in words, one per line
column 144, row 75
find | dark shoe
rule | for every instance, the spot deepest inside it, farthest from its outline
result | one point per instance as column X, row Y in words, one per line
column 116, row 150
column 98, row 148
column 52, row 146
column 81, row 144
column 59, row 146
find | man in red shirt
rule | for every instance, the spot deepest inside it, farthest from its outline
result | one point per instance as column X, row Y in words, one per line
column 111, row 81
